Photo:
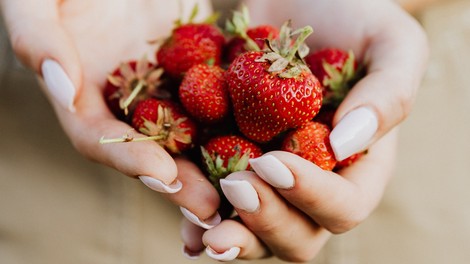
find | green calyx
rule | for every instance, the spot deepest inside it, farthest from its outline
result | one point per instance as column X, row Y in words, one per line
column 238, row 27
column 215, row 165
column 286, row 54
column 212, row 19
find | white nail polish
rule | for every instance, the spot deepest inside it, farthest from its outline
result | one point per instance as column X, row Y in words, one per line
column 228, row 255
column 207, row 224
column 353, row 133
column 190, row 254
column 273, row 171
column 241, row 194
column 59, row 84
column 159, row 186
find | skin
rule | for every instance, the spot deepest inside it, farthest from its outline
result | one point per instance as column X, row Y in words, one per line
column 82, row 36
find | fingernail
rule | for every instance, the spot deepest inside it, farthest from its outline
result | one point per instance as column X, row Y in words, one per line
column 228, row 255
column 241, row 194
column 273, row 171
column 159, row 186
column 192, row 255
column 59, row 84
column 207, row 223
column 353, row 133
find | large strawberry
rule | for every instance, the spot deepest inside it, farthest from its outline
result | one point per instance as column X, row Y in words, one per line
column 223, row 155
column 189, row 44
column 337, row 70
column 247, row 38
column 130, row 82
column 311, row 142
column 274, row 91
column 203, row 93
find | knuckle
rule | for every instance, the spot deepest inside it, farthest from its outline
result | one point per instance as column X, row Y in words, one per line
column 346, row 223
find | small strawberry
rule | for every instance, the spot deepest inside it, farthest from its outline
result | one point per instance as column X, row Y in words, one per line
column 203, row 93
column 337, row 70
column 190, row 44
column 246, row 38
column 349, row 161
column 274, row 91
column 226, row 154
column 130, row 82
column 161, row 121
column 311, row 142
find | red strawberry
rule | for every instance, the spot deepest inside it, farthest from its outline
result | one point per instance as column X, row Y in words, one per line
column 190, row 44
column 336, row 69
column 130, row 82
column 226, row 154
column 349, row 161
column 245, row 38
column 203, row 93
column 272, row 92
column 164, row 122
column 311, row 141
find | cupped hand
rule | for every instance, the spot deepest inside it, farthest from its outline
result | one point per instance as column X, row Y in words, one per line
column 287, row 196
column 72, row 46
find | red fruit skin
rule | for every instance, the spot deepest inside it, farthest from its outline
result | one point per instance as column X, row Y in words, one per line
column 188, row 45
column 265, row 104
column 148, row 109
column 311, row 142
column 349, row 161
column 333, row 56
column 229, row 145
column 236, row 45
column 204, row 93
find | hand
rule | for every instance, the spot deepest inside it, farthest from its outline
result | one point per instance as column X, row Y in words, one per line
column 73, row 45
column 293, row 197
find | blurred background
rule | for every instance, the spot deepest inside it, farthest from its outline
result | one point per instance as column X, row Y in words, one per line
column 424, row 217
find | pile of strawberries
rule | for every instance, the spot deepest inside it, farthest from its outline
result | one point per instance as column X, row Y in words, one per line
column 225, row 96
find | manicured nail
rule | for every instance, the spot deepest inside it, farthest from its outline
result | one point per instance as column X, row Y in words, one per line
column 192, row 255
column 353, row 133
column 241, row 194
column 207, row 223
column 273, row 171
column 59, row 84
column 228, row 255
column 159, row 186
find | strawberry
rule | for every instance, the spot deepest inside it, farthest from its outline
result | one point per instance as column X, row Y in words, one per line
column 130, row 82
column 311, row 141
column 337, row 70
column 349, row 161
column 203, row 93
column 190, row 44
column 245, row 38
column 226, row 154
column 164, row 122
column 274, row 91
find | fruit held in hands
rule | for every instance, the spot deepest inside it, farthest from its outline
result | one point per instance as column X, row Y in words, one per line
column 204, row 93
column 311, row 141
column 274, row 91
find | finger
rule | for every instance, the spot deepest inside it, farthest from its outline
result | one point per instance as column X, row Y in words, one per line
column 41, row 43
column 336, row 202
column 198, row 199
column 231, row 239
column 271, row 219
column 395, row 59
column 191, row 235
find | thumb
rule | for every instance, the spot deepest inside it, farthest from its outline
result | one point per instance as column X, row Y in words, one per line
column 41, row 43
column 396, row 59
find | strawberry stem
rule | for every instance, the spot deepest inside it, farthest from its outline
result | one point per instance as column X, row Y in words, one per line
column 303, row 34
column 129, row 138
column 125, row 105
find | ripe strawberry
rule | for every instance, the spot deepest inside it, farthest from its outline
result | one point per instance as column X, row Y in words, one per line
column 226, row 154
column 203, row 93
column 311, row 141
column 274, row 91
column 337, row 70
column 190, row 44
column 246, row 38
column 349, row 161
column 130, row 82
column 164, row 122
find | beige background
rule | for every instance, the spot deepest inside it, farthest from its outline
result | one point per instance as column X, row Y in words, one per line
column 57, row 207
